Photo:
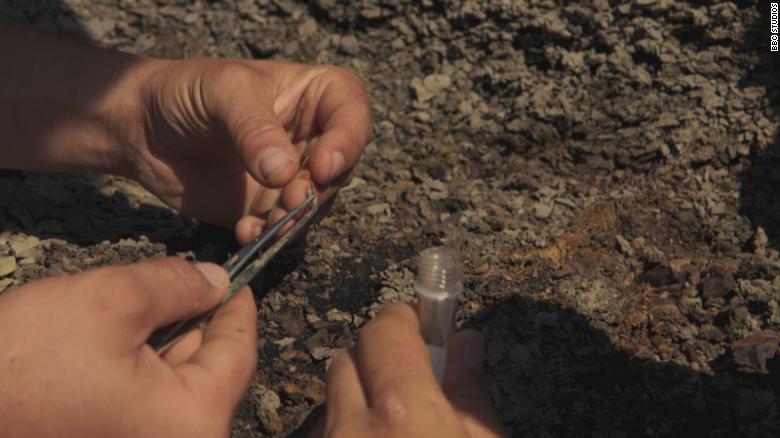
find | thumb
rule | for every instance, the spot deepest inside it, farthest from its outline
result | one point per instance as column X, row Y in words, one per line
column 244, row 101
column 464, row 385
column 147, row 295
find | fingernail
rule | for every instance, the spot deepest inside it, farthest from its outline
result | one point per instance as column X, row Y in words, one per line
column 336, row 164
column 272, row 160
column 213, row 273
column 474, row 351
column 256, row 230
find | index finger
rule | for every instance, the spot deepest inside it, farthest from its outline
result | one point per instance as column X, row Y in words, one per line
column 396, row 371
column 151, row 294
column 344, row 113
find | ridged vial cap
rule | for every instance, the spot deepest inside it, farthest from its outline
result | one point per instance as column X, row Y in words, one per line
column 438, row 269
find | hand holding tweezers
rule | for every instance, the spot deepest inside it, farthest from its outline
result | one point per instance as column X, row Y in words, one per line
column 241, row 268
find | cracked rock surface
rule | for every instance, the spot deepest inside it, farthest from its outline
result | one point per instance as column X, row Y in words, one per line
column 608, row 172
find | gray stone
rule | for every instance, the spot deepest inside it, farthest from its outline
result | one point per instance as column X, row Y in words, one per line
column 543, row 210
column 7, row 265
column 624, row 246
column 381, row 208
column 98, row 28
column 320, row 353
column 349, row 45
column 753, row 351
column 269, row 400
column 5, row 283
column 429, row 87
column 24, row 246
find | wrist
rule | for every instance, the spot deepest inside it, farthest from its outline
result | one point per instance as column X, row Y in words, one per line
column 125, row 118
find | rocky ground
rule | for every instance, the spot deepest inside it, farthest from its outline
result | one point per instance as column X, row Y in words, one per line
column 608, row 171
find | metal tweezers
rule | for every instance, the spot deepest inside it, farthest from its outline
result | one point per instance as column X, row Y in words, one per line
column 241, row 268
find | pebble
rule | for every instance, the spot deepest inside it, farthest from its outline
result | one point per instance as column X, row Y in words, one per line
column 5, row 282
column 658, row 276
column 97, row 28
column 145, row 41
column 284, row 342
column 754, row 351
column 7, row 265
column 760, row 241
column 624, row 245
column 24, row 246
column 320, row 353
column 308, row 28
column 336, row 315
column 349, row 45
column 27, row 261
column 717, row 286
column 268, row 403
column 380, row 208
column 269, row 400
column 429, row 87
column 543, row 210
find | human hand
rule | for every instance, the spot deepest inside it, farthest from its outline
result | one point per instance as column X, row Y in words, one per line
column 384, row 386
column 222, row 140
column 75, row 360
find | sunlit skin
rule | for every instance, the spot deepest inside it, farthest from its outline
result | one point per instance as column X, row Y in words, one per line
column 222, row 141
column 75, row 361
column 212, row 140
column 384, row 386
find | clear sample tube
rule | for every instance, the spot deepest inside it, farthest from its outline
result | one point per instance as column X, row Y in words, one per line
column 437, row 286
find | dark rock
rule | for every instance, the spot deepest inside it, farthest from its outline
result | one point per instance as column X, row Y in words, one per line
column 658, row 276
column 715, row 286
column 753, row 351
column 291, row 320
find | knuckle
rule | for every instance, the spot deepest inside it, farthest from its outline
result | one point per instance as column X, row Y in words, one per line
column 350, row 76
column 255, row 126
column 397, row 412
column 233, row 72
column 343, row 74
column 391, row 410
column 178, row 274
column 233, row 75
column 356, row 83
column 122, row 297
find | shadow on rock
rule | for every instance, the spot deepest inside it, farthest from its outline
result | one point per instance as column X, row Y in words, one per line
column 95, row 210
column 557, row 375
column 83, row 208
column 760, row 197
column 48, row 15
column 78, row 209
